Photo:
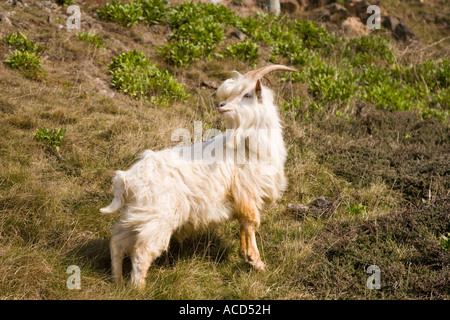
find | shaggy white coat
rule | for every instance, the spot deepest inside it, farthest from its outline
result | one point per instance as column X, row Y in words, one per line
column 167, row 193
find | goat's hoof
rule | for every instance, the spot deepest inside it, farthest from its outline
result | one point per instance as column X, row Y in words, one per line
column 259, row 266
column 243, row 256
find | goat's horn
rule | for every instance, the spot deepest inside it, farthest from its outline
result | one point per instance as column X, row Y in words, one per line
column 261, row 72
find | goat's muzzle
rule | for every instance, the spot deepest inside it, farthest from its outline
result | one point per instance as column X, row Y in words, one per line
column 221, row 107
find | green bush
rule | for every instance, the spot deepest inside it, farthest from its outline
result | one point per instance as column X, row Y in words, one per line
column 190, row 12
column 129, row 14
column 21, row 43
column 245, row 50
column 23, row 60
column 312, row 35
column 26, row 55
column 356, row 209
column 434, row 74
column 445, row 241
column 132, row 73
column 91, row 38
column 368, row 50
column 154, row 11
column 441, row 99
column 192, row 41
column 52, row 138
column 197, row 29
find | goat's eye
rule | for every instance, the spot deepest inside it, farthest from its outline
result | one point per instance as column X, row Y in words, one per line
column 247, row 95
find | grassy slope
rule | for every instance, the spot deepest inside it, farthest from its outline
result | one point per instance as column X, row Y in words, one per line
column 49, row 203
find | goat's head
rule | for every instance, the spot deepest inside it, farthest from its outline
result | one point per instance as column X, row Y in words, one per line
column 245, row 102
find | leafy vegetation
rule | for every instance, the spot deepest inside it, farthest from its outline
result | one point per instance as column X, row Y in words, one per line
column 445, row 240
column 192, row 41
column 134, row 74
column 52, row 138
column 26, row 56
column 197, row 29
column 129, row 14
column 91, row 38
column 21, row 43
column 368, row 70
column 356, row 209
column 245, row 50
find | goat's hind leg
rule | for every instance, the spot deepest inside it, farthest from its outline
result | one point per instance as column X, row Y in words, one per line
column 121, row 243
column 151, row 241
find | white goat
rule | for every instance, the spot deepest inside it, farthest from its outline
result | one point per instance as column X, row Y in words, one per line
column 166, row 194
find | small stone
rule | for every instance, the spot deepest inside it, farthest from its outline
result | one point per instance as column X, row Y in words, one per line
column 298, row 209
column 236, row 33
column 209, row 84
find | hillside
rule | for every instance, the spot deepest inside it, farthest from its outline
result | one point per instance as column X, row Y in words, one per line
column 366, row 123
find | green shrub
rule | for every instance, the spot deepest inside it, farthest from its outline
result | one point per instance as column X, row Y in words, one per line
column 27, row 62
column 26, row 56
column 312, row 35
column 245, row 50
column 190, row 12
column 23, row 60
column 129, row 14
column 91, row 38
column 356, row 209
column 368, row 50
column 441, row 99
column 21, row 43
column 434, row 74
column 154, row 11
column 197, row 29
column 445, row 241
column 52, row 138
column 192, row 41
column 132, row 73
column 126, row 14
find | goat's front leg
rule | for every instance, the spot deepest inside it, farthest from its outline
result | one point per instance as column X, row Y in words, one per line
column 249, row 219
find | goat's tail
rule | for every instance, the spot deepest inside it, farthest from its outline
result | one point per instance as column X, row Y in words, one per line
column 119, row 189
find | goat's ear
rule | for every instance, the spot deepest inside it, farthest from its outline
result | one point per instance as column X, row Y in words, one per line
column 258, row 90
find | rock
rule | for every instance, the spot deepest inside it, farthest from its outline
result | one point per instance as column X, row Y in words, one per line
column 303, row 4
column 333, row 12
column 400, row 30
column 17, row 3
column 359, row 9
column 47, row 6
column 108, row 93
column 236, row 33
column 289, row 6
column 209, row 84
column 314, row 4
column 353, row 27
column 317, row 208
column 389, row 22
column 403, row 33
column 298, row 209
column 4, row 17
column 320, row 207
